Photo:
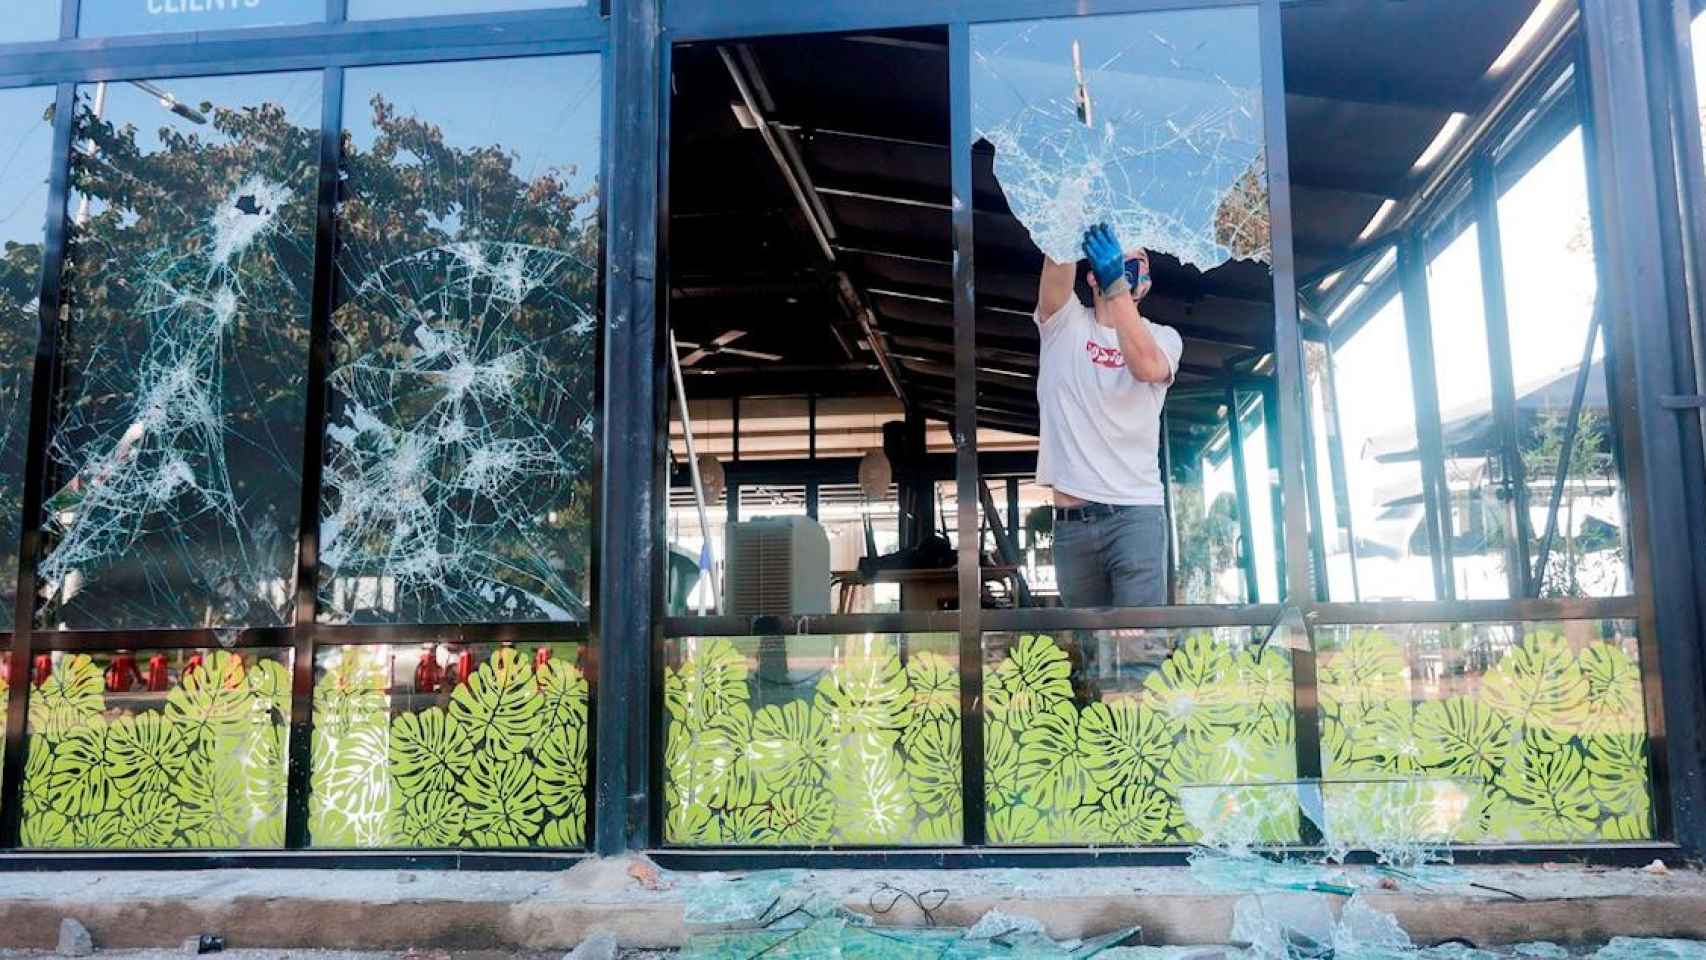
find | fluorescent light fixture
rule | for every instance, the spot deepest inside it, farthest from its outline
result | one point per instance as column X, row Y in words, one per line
column 1525, row 35
column 1329, row 280
column 1378, row 220
column 1447, row 133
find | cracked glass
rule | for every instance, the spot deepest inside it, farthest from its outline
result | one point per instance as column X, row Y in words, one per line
column 175, row 459
column 26, row 149
column 458, row 476
column 1151, row 122
column 112, row 18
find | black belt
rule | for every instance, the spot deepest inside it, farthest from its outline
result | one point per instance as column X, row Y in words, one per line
column 1091, row 511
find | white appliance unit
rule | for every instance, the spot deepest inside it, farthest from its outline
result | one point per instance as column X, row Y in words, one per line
column 775, row 566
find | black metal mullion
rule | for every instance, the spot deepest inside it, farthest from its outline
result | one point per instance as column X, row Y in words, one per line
column 1418, row 329
column 42, row 400
column 70, row 12
column 630, row 561
column 1496, row 312
column 968, row 481
column 308, row 524
column 1241, row 483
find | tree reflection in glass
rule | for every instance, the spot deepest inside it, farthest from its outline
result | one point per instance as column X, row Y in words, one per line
column 459, row 445
column 26, row 144
column 176, row 455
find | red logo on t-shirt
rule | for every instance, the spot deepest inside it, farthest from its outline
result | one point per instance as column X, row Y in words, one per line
column 1101, row 356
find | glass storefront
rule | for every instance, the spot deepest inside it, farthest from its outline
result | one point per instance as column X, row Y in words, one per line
column 1163, row 427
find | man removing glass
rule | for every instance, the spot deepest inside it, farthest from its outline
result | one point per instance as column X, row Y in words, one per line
column 1103, row 374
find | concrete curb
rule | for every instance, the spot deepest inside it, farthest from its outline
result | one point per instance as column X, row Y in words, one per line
column 385, row 910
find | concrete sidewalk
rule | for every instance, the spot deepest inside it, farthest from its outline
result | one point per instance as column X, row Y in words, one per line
column 390, row 909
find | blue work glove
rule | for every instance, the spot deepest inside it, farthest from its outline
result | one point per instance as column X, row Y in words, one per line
column 1107, row 260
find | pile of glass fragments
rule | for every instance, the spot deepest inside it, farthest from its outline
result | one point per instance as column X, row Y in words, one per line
column 1289, row 909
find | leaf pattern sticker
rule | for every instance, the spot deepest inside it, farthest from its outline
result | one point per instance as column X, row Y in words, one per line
column 498, row 762
column 1552, row 747
column 867, row 752
column 202, row 767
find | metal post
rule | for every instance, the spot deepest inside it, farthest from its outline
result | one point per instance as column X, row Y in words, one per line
column 1312, row 498
column 965, row 433
column 1641, row 287
column 626, row 642
column 43, row 379
column 1505, row 422
column 1276, row 497
column 1566, row 448
column 313, row 450
column 1418, row 328
column 1168, row 513
column 1336, row 461
column 1241, row 483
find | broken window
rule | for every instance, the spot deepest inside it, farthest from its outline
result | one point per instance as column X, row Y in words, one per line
column 111, row 18
column 26, row 144
column 458, row 482
column 175, row 459
column 1151, row 124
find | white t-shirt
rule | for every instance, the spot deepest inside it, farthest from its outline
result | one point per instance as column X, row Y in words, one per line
column 1101, row 426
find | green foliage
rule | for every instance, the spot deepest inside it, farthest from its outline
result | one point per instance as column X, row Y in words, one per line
column 502, row 763
column 867, row 754
column 1114, row 771
column 205, row 771
column 1551, row 748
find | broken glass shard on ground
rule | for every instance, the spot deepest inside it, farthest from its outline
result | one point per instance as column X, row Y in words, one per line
column 174, row 493
column 458, row 471
column 1151, row 122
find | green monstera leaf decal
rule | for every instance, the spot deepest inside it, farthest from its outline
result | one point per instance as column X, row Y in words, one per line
column 73, row 695
column 1196, row 689
column 80, row 784
column 1135, row 815
column 430, row 750
column 1049, row 771
column 1462, row 737
column 212, row 808
column 1124, row 743
column 710, row 681
column 1552, row 797
column 867, row 692
column 499, row 705
column 145, row 753
column 1613, row 680
column 1367, row 672
column 210, row 705
column 504, row 809
column 935, row 687
column 562, row 771
column 1617, row 774
column 433, row 819
column 871, row 789
column 933, row 766
column 1539, row 684
column 1036, row 676
column 791, row 746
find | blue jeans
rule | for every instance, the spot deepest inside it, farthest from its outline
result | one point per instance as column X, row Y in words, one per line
column 1116, row 556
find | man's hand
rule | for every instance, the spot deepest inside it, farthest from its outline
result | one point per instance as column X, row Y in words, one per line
column 1107, row 260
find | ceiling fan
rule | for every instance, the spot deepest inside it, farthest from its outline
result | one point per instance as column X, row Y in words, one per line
column 700, row 351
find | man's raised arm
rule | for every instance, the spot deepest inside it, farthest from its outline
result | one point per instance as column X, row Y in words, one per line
column 1054, row 288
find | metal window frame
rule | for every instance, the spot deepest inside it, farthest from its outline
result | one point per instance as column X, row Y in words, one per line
column 1626, row 53
column 328, row 49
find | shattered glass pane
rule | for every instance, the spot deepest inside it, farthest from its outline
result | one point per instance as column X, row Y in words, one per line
column 176, row 453
column 459, row 442
column 112, row 18
column 1152, row 122
column 26, row 150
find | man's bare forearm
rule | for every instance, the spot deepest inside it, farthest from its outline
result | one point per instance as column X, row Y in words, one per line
column 1054, row 287
column 1144, row 357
